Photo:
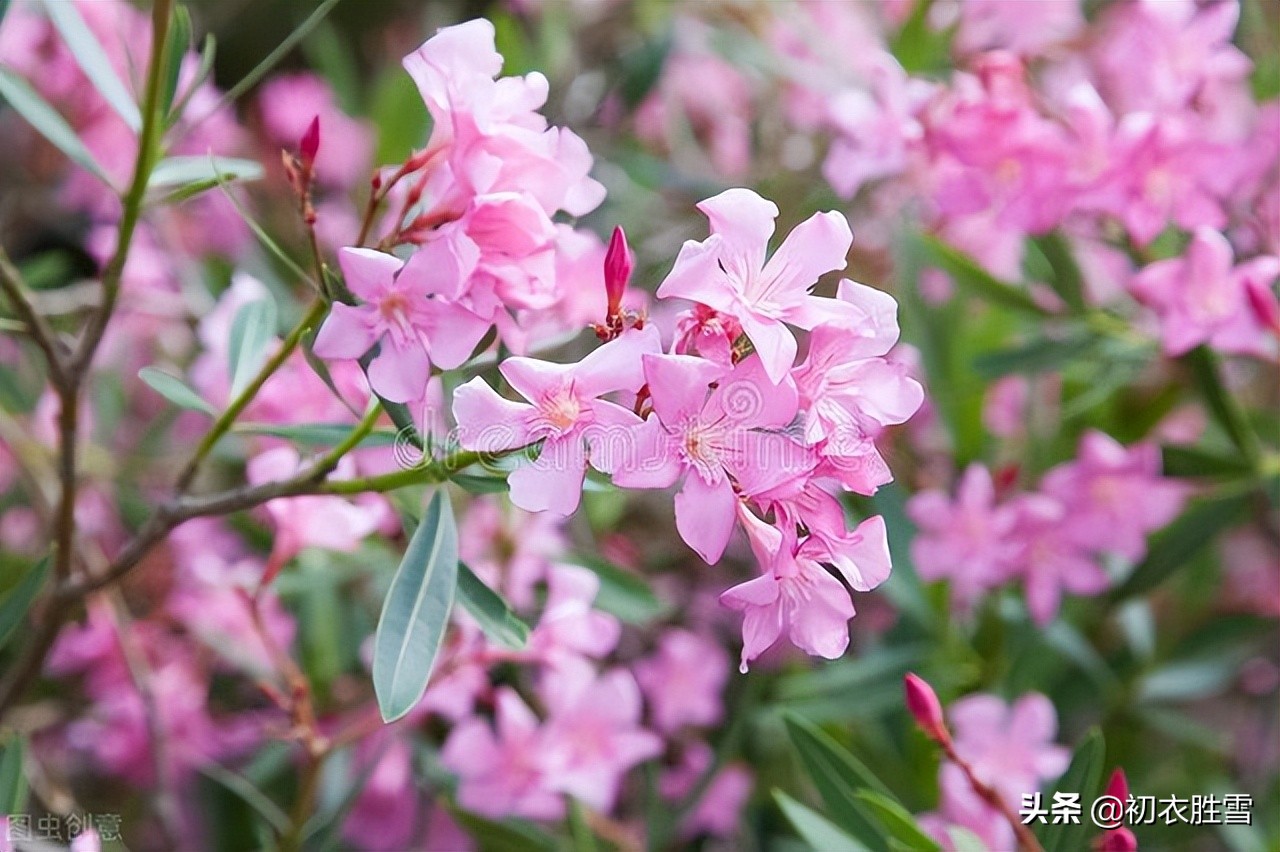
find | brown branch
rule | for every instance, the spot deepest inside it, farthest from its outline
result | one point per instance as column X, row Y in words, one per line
column 46, row 338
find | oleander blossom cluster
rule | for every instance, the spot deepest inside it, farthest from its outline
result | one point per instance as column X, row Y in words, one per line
column 751, row 438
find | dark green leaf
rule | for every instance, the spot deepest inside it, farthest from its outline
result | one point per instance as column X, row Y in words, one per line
column 814, row 828
column 93, row 60
column 13, row 778
column 1083, row 776
column 14, row 605
column 173, row 389
column 489, row 609
column 46, row 120
column 969, row 275
column 838, row 776
column 1197, row 462
column 416, row 611
column 244, row 789
column 1224, row 407
column 252, row 332
column 897, row 821
column 641, row 68
column 505, row 836
column 1045, row 354
column 179, row 42
column 1177, row 544
column 1067, row 280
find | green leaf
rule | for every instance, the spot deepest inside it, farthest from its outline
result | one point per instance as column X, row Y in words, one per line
column 490, row 610
column 814, row 828
column 1224, row 407
column 173, row 389
column 14, row 605
column 47, row 122
column 316, row 434
column 280, row 51
column 252, row 332
column 969, row 275
column 1042, row 355
column 416, row 611
column 505, row 836
column 203, row 171
column 1067, row 280
column 1179, row 543
column 640, row 70
column 13, row 779
column 897, row 821
column 93, row 60
column 1083, row 776
column 623, row 594
column 964, row 840
column 1197, row 462
column 398, row 114
column 475, row 484
column 179, row 42
column 838, row 776
column 245, row 790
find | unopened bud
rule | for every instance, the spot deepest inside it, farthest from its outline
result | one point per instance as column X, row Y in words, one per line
column 1263, row 303
column 924, row 706
column 1118, row 786
column 617, row 270
column 1118, row 840
column 310, row 144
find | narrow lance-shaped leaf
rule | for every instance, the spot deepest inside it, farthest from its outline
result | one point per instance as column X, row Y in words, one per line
column 173, row 389
column 897, row 821
column 1083, row 776
column 969, row 275
column 490, row 610
column 93, row 60
column 14, row 605
column 13, row 780
column 199, row 170
column 815, row 829
column 252, row 332
column 47, row 122
column 416, row 611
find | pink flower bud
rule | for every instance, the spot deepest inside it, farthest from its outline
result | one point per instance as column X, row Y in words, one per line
column 1262, row 301
column 1118, row 786
column 617, row 270
column 310, row 144
column 1118, row 840
column 923, row 703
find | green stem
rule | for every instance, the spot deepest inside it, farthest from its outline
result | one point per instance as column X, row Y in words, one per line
column 434, row 472
column 228, row 417
column 1225, row 408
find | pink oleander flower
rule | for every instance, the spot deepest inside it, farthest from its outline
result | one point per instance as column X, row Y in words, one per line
column 1050, row 559
column 1008, row 746
column 564, row 411
column 1201, row 297
column 570, row 628
column 729, row 272
column 683, row 680
column 1114, row 495
column 721, row 441
column 845, row 387
column 797, row 594
column 719, row 809
column 505, row 770
column 1015, row 25
column 385, row 812
column 510, row 549
column 966, row 539
column 593, row 733
column 708, row 333
column 407, row 309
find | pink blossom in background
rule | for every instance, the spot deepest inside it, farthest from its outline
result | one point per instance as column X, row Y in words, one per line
column 1202, row 297
column 964, row 540
column 290, row 102
column 1114, row 495
column 1050, row 558
column 1024, row 28
column 683, row 680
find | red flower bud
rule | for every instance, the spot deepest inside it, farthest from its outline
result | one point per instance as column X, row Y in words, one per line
column 1263, row 303
column 617, row 270
column 923, row 703
column 310, row 144
column 1118, row 786
column 1118, row 840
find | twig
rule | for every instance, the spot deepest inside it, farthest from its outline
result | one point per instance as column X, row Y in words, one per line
column 55, row 352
